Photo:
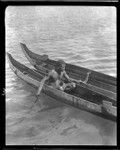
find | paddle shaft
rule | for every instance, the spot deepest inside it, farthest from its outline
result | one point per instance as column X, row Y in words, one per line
column 41, row 85
column 40, row 88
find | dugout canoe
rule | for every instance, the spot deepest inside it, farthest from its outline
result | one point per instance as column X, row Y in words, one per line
column 80, row 97
column 98, row 82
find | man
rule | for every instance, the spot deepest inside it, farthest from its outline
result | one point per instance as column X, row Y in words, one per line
column 59, row 79
column 54, row 79
column 64, row 77
column 68, row 82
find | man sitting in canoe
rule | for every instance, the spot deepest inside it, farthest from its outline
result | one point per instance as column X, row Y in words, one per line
column 59, row 79
column 60, row 69
column 65, row 82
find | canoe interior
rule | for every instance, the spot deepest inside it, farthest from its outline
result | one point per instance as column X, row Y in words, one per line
column 97, row 79
column 79, row 91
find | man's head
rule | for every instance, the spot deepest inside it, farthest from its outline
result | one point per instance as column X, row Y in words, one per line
column 62, row 64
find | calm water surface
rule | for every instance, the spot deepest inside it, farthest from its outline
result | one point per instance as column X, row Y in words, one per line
column 84, row 36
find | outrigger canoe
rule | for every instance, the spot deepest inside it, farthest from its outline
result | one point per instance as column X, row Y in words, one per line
column 80, row 97
column 98, row 82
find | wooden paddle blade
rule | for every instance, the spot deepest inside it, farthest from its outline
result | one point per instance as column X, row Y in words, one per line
column 41, row 85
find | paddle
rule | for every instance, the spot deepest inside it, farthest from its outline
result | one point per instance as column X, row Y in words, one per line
column 40, row 89
column 41, row 85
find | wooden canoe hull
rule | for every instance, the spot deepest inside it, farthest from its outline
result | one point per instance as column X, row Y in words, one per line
column 33, row 78
column 98, row 82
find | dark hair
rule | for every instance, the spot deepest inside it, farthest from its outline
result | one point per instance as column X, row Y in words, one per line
column 60, row 61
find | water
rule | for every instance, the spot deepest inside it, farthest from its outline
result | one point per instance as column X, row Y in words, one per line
column 84, row 36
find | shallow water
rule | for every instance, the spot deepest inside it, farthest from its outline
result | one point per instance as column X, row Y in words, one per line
column 60, row 32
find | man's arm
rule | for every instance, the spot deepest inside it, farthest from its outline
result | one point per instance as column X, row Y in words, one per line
column 70, row 79
column 85, row 81
column 66, row 76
